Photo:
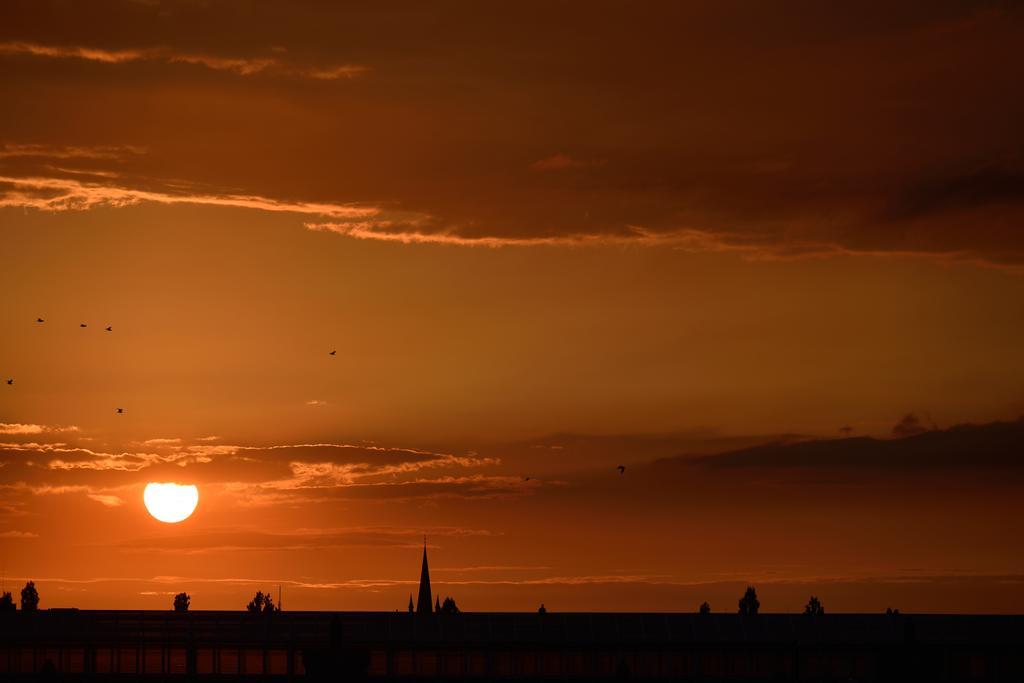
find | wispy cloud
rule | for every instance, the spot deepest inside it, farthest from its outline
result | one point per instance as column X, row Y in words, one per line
column 420, row 233
column 80, row 458
column 335, row 72
column 268, row 474
column 107, row 500
column 99, row 152
column 19, row 428
column 18, row 534
column 63, row 194
column 242, row 66
column 101, row 495
column 52, row 189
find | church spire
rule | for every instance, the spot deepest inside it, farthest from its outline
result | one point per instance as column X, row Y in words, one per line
column 423, row 605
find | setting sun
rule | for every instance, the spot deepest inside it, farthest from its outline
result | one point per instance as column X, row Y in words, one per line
column 169, row 502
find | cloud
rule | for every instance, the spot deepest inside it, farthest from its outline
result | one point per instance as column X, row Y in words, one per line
column 369, row 471
column 242, row 66
column 993, row 447
column 824, row 149
column 107, row 500
column 993, row 184
column 18, row 428
column 95, row 152
column 124, row 462
column 63, row 194
column 260, row 475
column 18, row 534
column 335, row 72
column 316, row 402
column 410, row 233
column 74, row 457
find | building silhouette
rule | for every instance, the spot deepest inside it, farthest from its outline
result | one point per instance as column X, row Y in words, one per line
column 166, row 645
column 423, row 604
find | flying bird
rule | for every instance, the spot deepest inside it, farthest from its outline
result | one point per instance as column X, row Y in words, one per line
column 82, row 325
column 40, row 320
column 621, row 469
column 10, row 381
column 333, row 353
column 527, row 478
column 120, row 411
column 109, row 328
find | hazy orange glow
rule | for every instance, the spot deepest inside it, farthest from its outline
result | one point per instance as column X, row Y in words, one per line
column 379, row 272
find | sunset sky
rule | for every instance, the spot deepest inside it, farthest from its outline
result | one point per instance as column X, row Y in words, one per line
column 544, row 239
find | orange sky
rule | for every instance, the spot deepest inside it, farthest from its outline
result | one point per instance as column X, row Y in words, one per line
column 544, row 239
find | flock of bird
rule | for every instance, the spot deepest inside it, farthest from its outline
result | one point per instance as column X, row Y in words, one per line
column 108, row 328
column 332, row 352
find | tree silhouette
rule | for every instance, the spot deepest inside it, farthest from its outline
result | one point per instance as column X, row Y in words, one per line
column 749, row 604
column 411, row 607
column 909, row 425
column 814, row 607
column 181, row 602
column 261, row 603
column 890, row 612
column 29, row 597
column 705, row 609
column 449, row 606
column 255, row 605
column 845, row 430
column 543, row 609
column 7, row 602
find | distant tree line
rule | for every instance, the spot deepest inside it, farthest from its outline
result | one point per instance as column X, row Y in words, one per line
column 262, row 603
column 29, row 599
column 749, row 605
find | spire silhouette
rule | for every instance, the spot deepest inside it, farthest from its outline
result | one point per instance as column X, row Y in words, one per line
column 423, row 605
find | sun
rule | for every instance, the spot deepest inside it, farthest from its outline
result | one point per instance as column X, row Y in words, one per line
column 170, row 502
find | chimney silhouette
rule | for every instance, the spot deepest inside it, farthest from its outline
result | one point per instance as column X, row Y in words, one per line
column 423, row 605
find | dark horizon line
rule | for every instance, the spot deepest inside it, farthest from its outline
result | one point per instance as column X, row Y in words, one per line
column 898, row 613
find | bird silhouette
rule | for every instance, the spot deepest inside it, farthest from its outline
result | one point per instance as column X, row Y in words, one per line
column 82, row 325
column 333, row 353
column 621, row 469
column 527, row 478
column 10, row 381
column 40, row 320
column 120, row 411
column 109, row 328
